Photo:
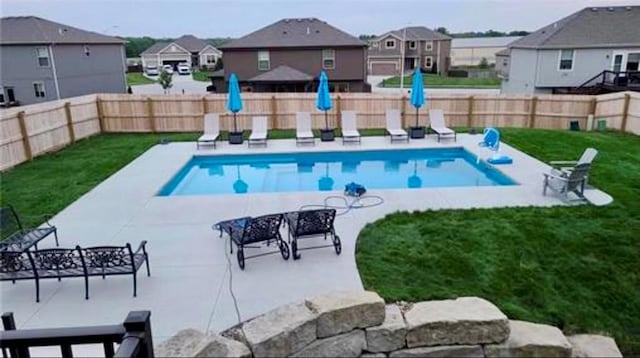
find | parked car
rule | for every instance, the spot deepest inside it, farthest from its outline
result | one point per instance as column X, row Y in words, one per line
column 152, row 70
column 168, row 69
column 183, row 69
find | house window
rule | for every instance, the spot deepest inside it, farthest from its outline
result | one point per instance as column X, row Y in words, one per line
column 210, row 59
column 566, row 60
column 428, row 61
column 390, row 44
column 428, row 46
column 87, row 50
column 43, row 56
column 412, row 45
column 38, row 87
column 263, row 61
column 328, row 59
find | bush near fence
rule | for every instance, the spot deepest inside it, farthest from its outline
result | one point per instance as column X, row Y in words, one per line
column 29, row 131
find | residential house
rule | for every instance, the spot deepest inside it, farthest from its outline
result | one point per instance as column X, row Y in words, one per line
column 424, row 48
column 41, row 60
column 502, row 63
column 470, row 51
column 186, row 49
column 288, row 55
column 571, row 54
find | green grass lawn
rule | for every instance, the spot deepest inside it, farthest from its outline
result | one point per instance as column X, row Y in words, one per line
column 432, row 80
column 200, row 76
column 574, row 267
column 137, row 78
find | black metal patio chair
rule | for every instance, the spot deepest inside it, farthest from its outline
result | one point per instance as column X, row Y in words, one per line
column 252, row 230
column 311, row 223
column 16, row 237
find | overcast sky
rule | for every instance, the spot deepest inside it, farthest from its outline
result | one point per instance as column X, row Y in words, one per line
column 214, row 18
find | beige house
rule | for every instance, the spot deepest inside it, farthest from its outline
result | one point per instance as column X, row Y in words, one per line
column 422, row 48
column 471, row 51
column 187, row 49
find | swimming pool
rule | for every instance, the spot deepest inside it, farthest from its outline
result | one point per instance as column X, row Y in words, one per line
column 326, row 171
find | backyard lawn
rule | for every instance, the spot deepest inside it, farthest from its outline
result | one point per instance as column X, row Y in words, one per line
column 137, row 78
column 574, row 267
column 432, row 80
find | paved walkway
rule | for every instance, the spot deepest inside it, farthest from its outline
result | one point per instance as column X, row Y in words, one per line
column 190, row 274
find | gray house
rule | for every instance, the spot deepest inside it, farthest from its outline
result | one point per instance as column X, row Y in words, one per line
column 186, row 49
column 424, row 48
column 594, row 50
column 41, row 60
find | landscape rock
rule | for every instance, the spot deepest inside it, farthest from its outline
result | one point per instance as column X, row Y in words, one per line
column 531, row 340
column 390, row 335
column 592, row 345
column 217, row 346
column 345, row 345
column 466, row 320
column 341, row 312
column 182, row 344
column 440, row 351
column 373, row 355
column 282, row 331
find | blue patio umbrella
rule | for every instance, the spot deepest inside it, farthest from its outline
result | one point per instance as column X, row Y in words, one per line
column 234, row 102
column 323, row 102
column 414, row 180
column 240, row 186
column 417, row 92
column 326, row 182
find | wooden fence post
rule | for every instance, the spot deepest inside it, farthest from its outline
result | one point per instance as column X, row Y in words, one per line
column 274, row 112
column 338, row 112
column 403, row 110
column 100, row 114
column 25, row 136
column 625, row 112
column 592, row 111
column 470, row 113
column 204, row 106
column 67, row 110
column 532, row 114
column 152, row 120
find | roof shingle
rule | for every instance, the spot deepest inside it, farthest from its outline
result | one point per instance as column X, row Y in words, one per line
column 16, row 30
column 308, row 32
column 282, row 74
column 590, row 27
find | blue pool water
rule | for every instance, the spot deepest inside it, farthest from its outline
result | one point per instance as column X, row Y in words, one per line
column 325, row 171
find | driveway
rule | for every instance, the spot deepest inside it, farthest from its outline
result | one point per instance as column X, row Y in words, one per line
column 181, row 84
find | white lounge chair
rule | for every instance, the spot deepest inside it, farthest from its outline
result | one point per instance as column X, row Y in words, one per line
column 564, row 184
column 303, row 128
column 350, row 127
column 394, row 128
column 436, row 124
column 258, row 131
column 211, row 130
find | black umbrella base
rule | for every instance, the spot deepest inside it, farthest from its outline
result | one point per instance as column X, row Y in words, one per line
column 327, row 135
column 416, row 132
column 235, row 137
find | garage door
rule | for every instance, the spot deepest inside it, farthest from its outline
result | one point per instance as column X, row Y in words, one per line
column 383, row 69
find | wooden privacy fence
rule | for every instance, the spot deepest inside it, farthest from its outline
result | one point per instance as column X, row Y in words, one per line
column 32, row 130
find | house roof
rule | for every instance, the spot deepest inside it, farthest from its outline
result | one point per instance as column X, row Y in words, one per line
column 415, row 33
column 483, row 41
column 593, row 27
column 187, row 42
column 307, row 32
column 16, row 30
column 282, row 74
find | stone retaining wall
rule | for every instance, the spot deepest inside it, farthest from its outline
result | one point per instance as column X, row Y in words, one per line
column 360, row 324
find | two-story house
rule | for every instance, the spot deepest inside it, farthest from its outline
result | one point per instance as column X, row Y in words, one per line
column 575, row 50
column 288, row 55
column 41, row 60
column 186, row 49
column 424, row 48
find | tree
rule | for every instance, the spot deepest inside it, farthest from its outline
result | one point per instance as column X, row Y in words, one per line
column 165, row 81
column 484, row 63
column 442, row 30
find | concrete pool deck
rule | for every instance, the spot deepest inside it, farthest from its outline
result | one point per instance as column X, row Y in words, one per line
column 188, row 287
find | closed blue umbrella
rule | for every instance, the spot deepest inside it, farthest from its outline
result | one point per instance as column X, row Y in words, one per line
column 234, row 102
column 417, row 92
column 323, row 102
